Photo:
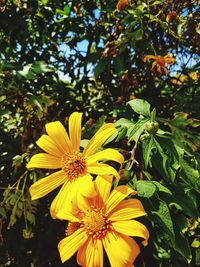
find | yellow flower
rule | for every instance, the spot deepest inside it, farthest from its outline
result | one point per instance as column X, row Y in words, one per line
column 160, row 62
column 179, row 79
column 104, row 222
column 194, row 76
column 74, row 168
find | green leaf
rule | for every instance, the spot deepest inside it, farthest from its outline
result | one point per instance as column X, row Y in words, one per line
column 119, row 65
column 137, row 130
column 182, row 202
column 147, row 146
column 156, row 3
column 184, row 130
column 163, row 218
column 124, row 122
column 140, row 106
column 163, row 160
column 145, row 188
column 40, row 67
column 100, row 67
column 30, row 217
column 197, row 257
column 136, row 35
column 191, row 177
column 44, row 2
column 161, row 187
column 195, row 243
column 2, row 212
column 2, row 98
column 64, row 12
column 36, row 100
column 182, row 246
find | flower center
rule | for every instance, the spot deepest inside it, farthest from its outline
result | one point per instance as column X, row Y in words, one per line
column 73, row 165
column 160, row 61
column 72, row 227
column 96, row 223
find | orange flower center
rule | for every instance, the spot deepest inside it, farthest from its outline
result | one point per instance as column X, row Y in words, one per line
column 160, row 61
column 96, row 223
column 72, row 227
column 73, row 165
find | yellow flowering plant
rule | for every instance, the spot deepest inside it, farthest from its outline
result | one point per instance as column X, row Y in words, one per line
column 73, row 166
column 160, row 62
column 103, row 222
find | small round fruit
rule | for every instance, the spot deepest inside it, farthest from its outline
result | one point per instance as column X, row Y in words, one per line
column 152, row 127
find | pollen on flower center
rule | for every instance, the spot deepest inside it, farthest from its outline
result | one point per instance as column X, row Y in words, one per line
column 73, row 165
column 96, row 223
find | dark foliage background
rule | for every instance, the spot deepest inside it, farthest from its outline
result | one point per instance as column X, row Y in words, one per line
column 60, row 56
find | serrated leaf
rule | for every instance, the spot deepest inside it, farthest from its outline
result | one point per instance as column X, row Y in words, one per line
column 182, row 246
column 145, row 188
column 182, row 202
column 164, row 160
column 163, row 218
column 147, row 146
column 161, row 187
column 124, row 122
column 140, row 106
column 137, row 130
column 191, row 177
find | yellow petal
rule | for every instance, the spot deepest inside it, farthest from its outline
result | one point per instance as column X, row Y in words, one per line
column 75, row 130
column 48, row 145
column 77, row 190
column 102, row 169
column 45, row 161
column 91, row 254
column 106, row 154
column 63, row 198
column 67, row 214
column 81, row 255
column 127, row 209
column 117, row 195
column 85, row 192
column 47, row 184
column 132, row 228
column 59, row 135
column 99, row 138
column 103, row 185
column 69, row 245
column 148, row 57
column 85, row 186
column 121, row 250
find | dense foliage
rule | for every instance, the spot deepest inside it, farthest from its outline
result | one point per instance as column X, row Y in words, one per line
column 108, row 60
